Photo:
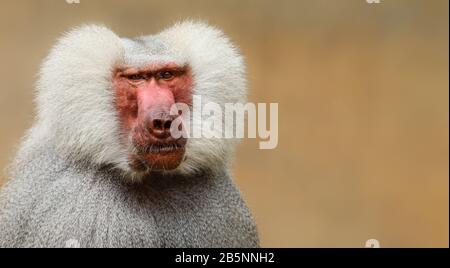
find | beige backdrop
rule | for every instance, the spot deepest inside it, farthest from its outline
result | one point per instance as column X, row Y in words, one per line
column 363, row 95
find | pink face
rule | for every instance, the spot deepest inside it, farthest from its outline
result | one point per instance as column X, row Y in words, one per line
column 143, row 99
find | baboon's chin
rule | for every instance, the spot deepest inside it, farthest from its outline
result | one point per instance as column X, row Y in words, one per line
column 157, row 161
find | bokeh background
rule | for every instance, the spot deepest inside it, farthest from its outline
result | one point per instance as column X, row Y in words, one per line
column 363, row 96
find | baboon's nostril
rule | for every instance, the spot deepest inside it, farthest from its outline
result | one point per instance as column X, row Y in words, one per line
column 167, row 124
column 158, row 124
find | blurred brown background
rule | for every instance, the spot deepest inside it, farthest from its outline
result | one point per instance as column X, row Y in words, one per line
column 363, row 94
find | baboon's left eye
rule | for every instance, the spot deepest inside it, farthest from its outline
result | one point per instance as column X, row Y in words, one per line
column 166, row 75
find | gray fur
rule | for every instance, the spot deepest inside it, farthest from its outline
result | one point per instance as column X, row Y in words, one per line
column 70, row 180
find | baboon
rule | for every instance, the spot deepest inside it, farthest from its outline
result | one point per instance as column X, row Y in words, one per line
column 99, row 167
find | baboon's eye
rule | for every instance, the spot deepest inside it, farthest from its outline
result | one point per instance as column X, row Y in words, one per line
column 136, row 77
column 166, row 75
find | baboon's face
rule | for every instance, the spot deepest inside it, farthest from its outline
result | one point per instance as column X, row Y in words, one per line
column 144, row 97
column 106, row 100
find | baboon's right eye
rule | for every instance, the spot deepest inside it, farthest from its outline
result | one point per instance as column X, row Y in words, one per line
column 136, row 77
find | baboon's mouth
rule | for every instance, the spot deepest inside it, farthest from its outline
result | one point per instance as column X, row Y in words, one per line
column 160, row 148
column 158, row 157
